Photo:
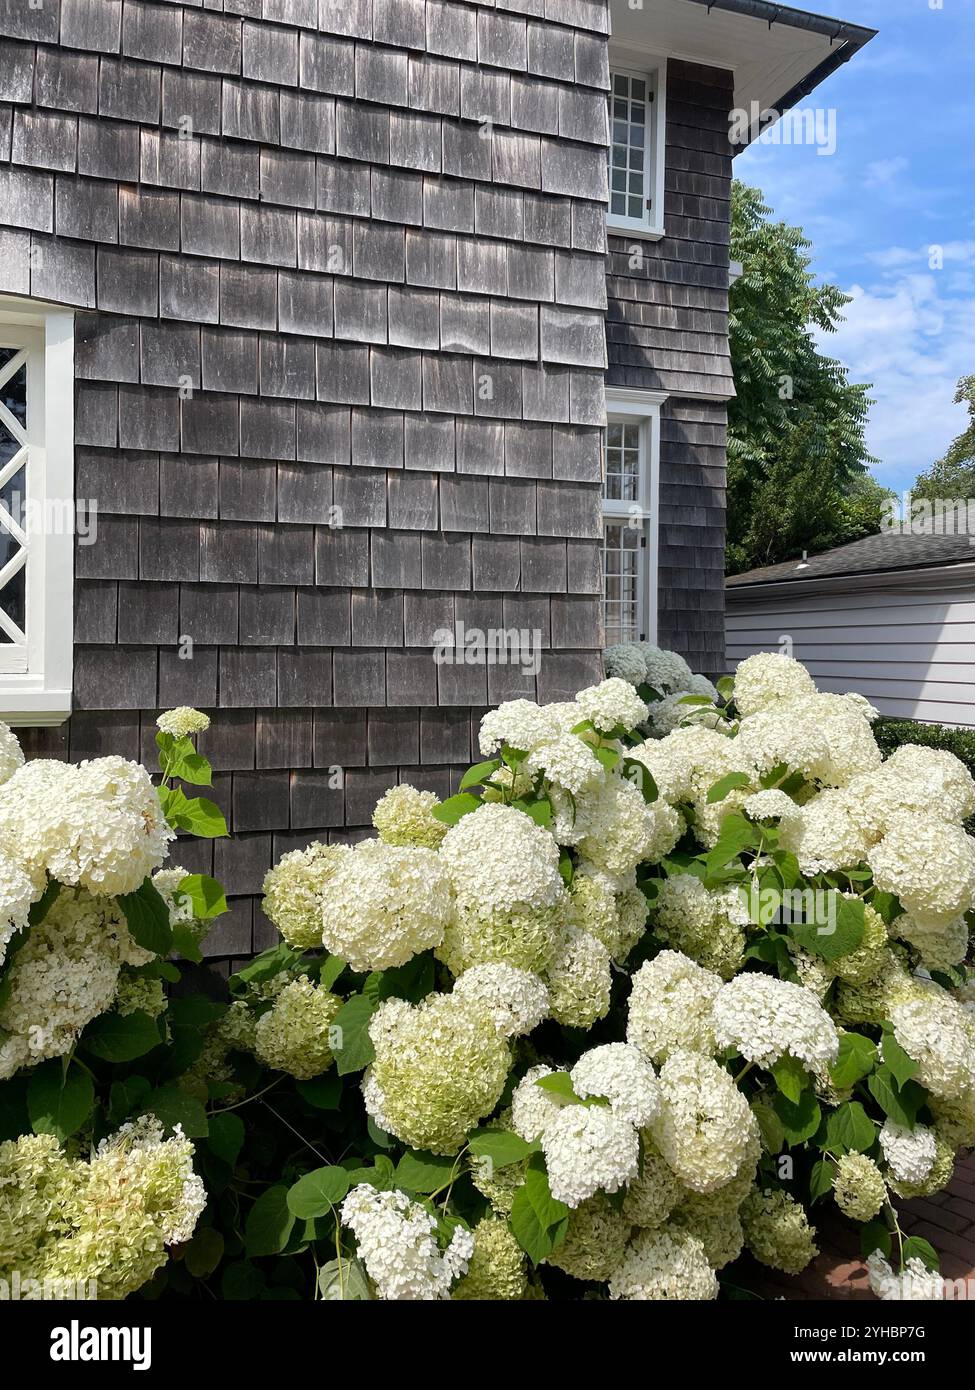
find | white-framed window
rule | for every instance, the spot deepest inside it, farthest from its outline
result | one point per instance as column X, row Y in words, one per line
column 631, row 489
column 637, row 147
column 37, row 512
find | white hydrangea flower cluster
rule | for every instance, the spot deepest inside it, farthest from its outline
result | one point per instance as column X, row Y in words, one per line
column 928, row 864
column 397, row 1243
column 705, row 1128
column 183, row 721
column 939, row 1035
column 439, row 1069
column 622, row 1075
column 382, row 904
column 910, row 1153
column 613, row 704
column 516, row 1000
column 106, row 1220
column 768, row 679
column 568, row 761
column 667, row 1264
column 295, row 1035
column 641, row 663
column 703, row 923
column 765, row 1018
column 404, row 816
column 293, row 892
column 519, row 724
column 64, row 975
column 670, row 1007
column 673, row 712
column 917, row 1284
column 97, row 825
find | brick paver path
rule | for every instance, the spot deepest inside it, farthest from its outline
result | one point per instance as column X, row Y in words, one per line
column 946, row 1220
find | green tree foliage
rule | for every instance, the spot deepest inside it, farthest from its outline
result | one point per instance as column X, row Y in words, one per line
column 953, row 476
column 797, row 460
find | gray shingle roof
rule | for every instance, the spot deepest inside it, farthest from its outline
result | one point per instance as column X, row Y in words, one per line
column 891, row 550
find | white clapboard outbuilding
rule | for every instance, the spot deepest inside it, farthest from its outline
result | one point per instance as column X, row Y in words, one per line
column 891, row 616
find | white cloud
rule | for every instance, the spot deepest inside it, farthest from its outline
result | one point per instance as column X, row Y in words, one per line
column 883, row 172
column 912, row 336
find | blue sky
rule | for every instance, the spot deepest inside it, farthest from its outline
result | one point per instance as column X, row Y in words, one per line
column 901, row 182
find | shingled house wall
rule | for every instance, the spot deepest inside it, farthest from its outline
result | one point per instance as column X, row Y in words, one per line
column 332, row 221
column 667, row 330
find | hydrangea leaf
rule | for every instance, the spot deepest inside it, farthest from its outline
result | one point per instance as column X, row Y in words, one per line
column 226, row 1137
column 269, row 1223
column 418, row 1171
column 204, row 1252
column 451, row 810
column 839, row 933
column 898, row 1063
column 791, row 1077
column 59, row 1099
column 917, row 1248
column 355, row 1050
column 820, row 1179
column 121, row 1037
column 318, row 1192
column 538, row 1221
column 719, row 790
column 501, row 1147
column 875, row 1236
column 147, row 917
column 323, row 1092
column 850, row 1127
column 799, row 1121
column 344, row 1281
column 477, row 775
column 856, row 1059
column 173, row 1106
column 206, row 896
column 902, row 1103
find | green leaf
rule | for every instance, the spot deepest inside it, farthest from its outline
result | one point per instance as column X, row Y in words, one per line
column 173, row 1107
column 59, row 1101
column 477, row 775
column 540, row 811
column 836, row 933
column 558, row 1083
column 121, row 1038
column 856, row 1059
column 318, row 1192
column 725, row 686
column 323, row 1092
column 850, row 1127
column 608, row 757
column 791, row 1077
column 917, row 1248
column 451, row 810
column 720, row 789
column 147, row 917
column 226, row 1137
column 737, row 834
column 205, row 894
column 265, row 966
column 501, row 1146
column 640, row 775
column 820, row 1179
column 901, row 1104
column 186, row 943
column 875, row 1236
column 799, row 1121
column 269, row 1223
column 204, row 1252
column 424, row 1172
column 770, row 1126
column 355, row 1049
column 566, row 871
column 329, row 971
column 344, row 1281
column 898, row 1063
column 203, row 818
column 538, row 1221
column 126, row 1097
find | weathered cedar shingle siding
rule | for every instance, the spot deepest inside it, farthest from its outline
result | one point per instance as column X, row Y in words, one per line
column 667, row 330
column 293, row 308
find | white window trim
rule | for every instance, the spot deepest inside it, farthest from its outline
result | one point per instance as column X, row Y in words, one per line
column 654, row 69
column 624, row 404
column 41, row 695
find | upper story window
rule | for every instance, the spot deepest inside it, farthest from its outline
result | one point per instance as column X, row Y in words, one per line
column 637, row 150
column 631, row 453
column 37, row 512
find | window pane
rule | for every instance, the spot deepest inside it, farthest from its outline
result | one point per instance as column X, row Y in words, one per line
column 627, row 159
column 622, row 580
column 13, row 500
column 623, row 463
column 14, row 392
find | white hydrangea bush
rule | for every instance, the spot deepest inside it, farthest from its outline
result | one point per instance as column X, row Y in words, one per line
column 95, row 1185
column 664, row 977
column 677, row 968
